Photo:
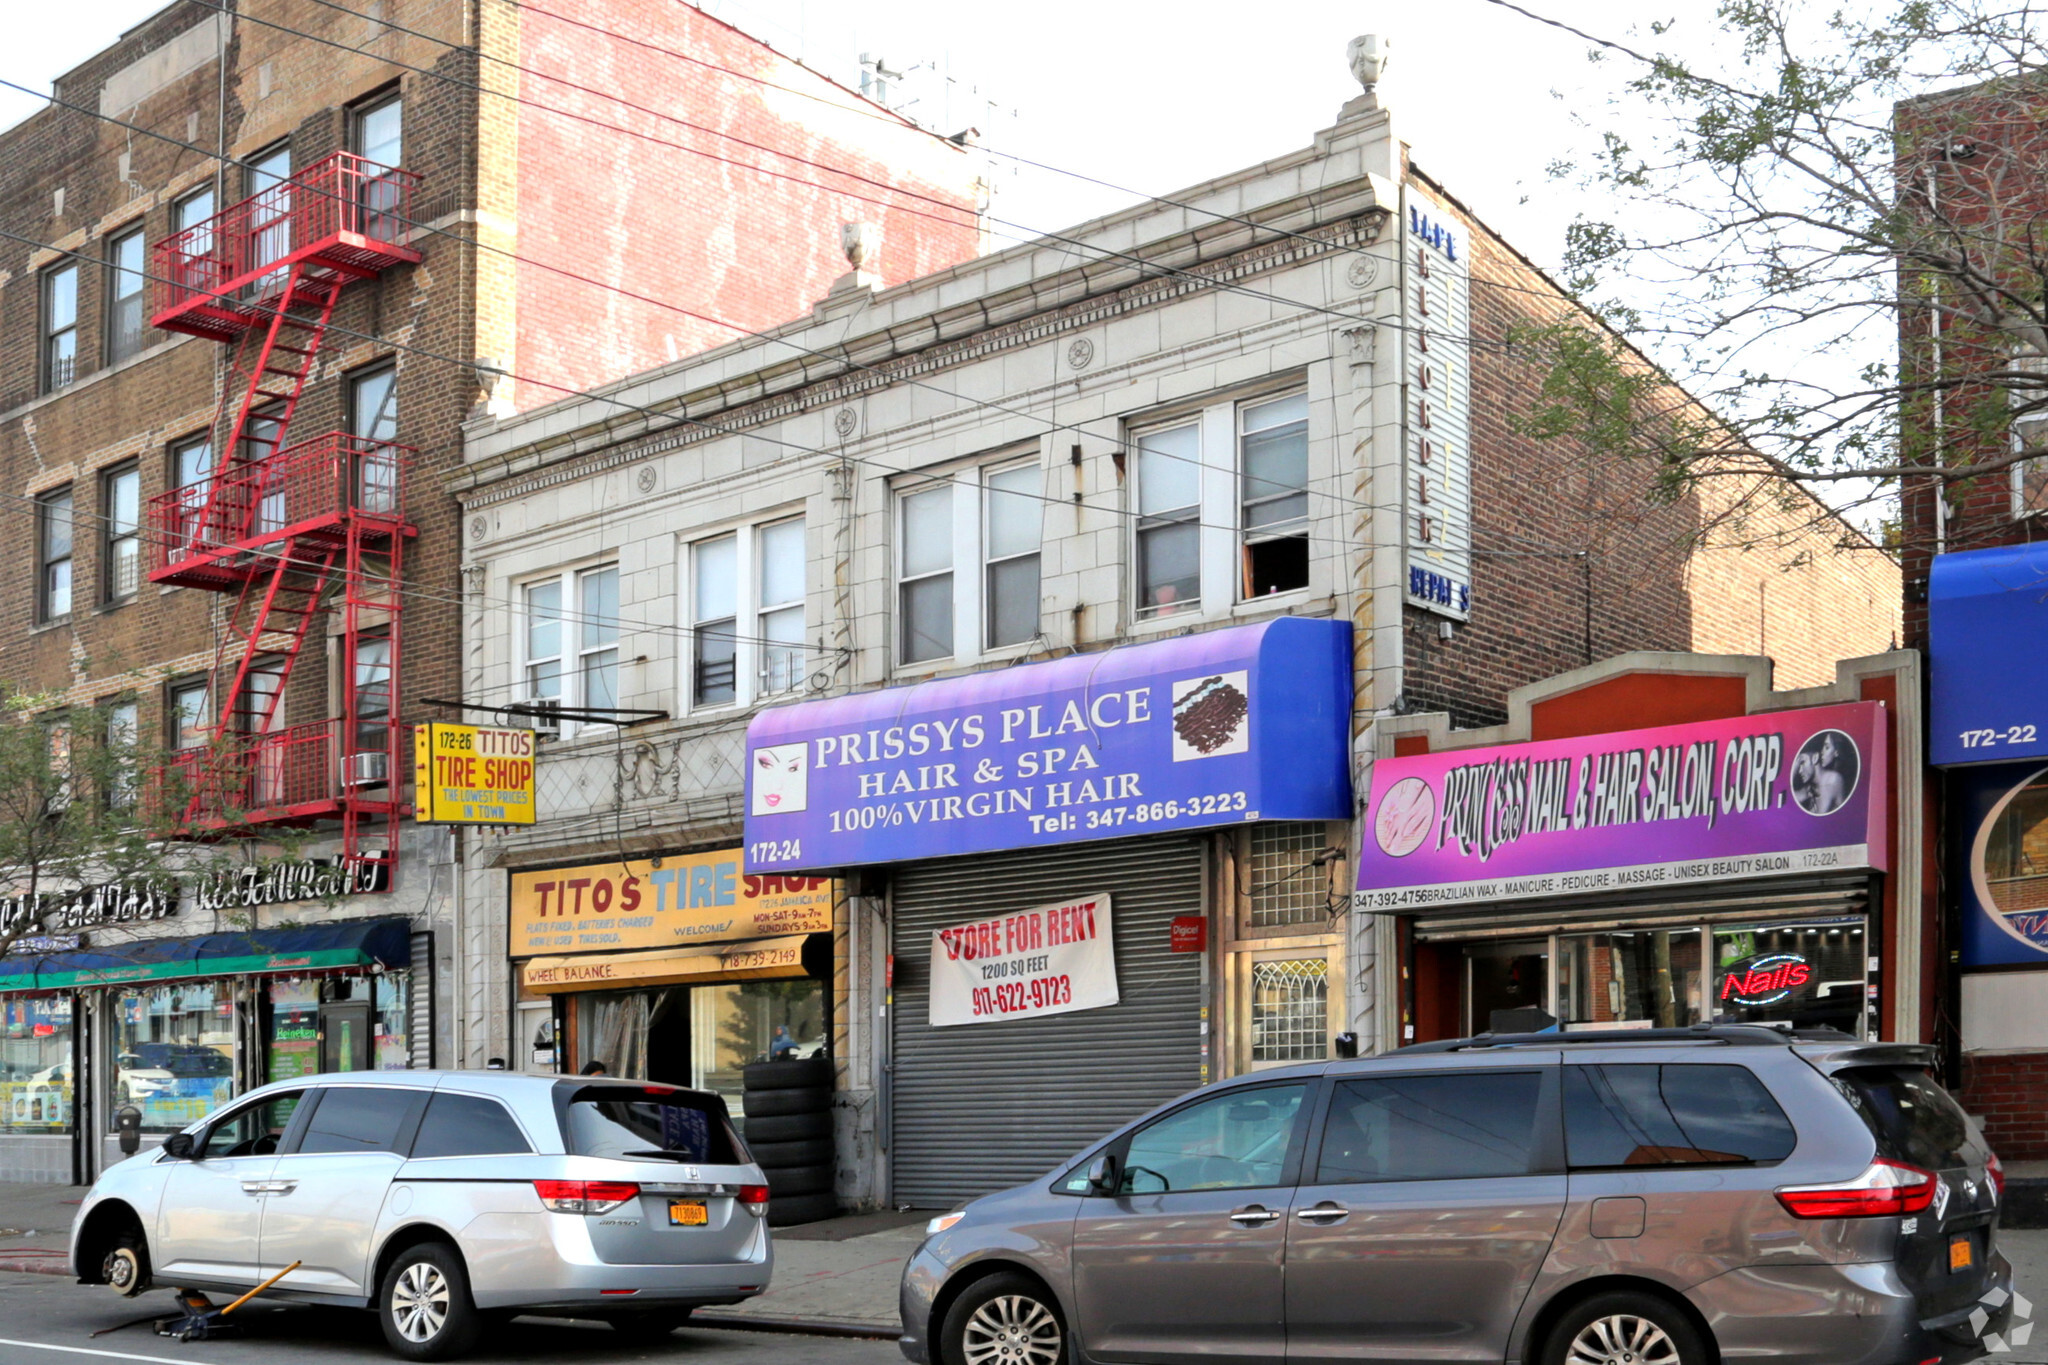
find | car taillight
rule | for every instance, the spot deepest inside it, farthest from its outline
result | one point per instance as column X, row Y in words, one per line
column 1995, row 1168
column 1885, row 1188
column 754, row 1199
column 585, row 1196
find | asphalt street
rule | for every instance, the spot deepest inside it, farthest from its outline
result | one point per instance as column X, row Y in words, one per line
column 47, row 1320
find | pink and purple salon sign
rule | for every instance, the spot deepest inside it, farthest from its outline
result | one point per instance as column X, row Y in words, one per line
column 1788, row 792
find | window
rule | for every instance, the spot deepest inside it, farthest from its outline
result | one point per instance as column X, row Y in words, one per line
column 1290, row 883
column 53, row 538
column 926, row 588
column 253, row 1130
column 373, row 693
column 174, row 1053
column 57, row 752
column 122, row 734
column 60, row 327
column 373, row 420
column 1647, row 978
column 609, row 1121
column 268, row 182
column 1910, row 1115
column 376, row 134
column 193, row 211
column 1235, row 1141
column 191, row 264
column 468, row 1125
column 747, row 614
column 1290, row 1009
column 1689, row 1115
column 1169, row 564
column 121, row 506
column 377, row 126
column 127, row 321
column 967, row 562
column 572, row 656
column 1010, row 548
column 185, row 711
column 191, row 471
column 37, row 1088
column 714, row 572
column 1222, row 507
column 358, row 1118
column 1460, row 1126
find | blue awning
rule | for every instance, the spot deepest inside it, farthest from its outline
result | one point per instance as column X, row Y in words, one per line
column 1987, row 615
column 314, row 948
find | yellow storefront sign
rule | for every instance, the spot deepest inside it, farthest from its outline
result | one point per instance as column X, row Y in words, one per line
column 765, row 959
column 472, row 774
column 688, row 899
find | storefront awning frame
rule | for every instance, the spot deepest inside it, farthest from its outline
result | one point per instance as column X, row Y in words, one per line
column 335, row 946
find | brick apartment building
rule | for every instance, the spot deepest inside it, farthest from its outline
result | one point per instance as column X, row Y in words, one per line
column 1113, row 554
column 1974, row 163
column 359, row 228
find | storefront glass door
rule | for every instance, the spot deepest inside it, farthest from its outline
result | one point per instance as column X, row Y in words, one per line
column 1512, row 974
column 1646, row 978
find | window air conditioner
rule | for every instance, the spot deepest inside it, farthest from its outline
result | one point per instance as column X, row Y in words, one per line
column 367, row 769
column 547, row 724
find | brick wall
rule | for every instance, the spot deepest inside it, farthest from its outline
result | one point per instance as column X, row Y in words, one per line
column 1580, row 560
column 2010, row 1091
column 738, row 220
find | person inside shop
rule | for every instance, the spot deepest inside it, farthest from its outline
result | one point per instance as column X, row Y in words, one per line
column 781, row 1045
column 594, row 1067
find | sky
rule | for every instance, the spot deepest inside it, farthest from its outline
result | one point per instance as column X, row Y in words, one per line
column 1153, row 98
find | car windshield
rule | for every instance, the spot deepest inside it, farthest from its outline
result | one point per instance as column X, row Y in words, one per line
column 655, row 1123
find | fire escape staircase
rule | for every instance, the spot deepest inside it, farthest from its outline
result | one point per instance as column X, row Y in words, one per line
column 292, row 530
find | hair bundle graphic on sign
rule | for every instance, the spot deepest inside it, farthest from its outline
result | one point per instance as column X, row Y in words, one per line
column 1208, row 717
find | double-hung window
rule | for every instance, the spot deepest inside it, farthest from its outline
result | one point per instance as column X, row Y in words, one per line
column 192, row 264
column 121, row 508
column 127, row 320
column 120, row 733
column 53, row 551
column 268, row 178
column 186, row 713
column 570, row 640
column 373, row 421
column 60, row 327
column 377, row 132
column 967, row 559
column 1221, row 498
column 746, row 609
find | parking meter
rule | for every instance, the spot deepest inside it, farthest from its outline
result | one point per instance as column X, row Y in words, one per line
column 128, row 1124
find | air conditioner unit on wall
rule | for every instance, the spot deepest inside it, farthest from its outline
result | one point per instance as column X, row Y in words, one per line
column 367, row 769
column 546, row 723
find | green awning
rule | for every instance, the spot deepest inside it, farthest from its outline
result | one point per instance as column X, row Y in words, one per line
column 322, row 947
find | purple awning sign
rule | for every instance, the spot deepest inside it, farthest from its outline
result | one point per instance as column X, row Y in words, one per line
column 1756, row 796
column 1215, row 728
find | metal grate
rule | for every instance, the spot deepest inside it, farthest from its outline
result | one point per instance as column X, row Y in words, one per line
column 1286, row 886
column 1290, row 1010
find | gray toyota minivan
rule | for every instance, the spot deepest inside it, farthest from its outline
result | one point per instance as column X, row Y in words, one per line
column 1650, row 1197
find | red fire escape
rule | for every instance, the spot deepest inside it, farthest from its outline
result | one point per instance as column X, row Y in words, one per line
column 290, row 530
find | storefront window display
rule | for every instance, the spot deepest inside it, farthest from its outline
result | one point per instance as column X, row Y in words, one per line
column 701, row 1036
column 2016, row 852
column 35, row 1065
column 294, row 1042
column 1809, row 975
column 1646, row 978
column 174, row 1052
column 394, row 1000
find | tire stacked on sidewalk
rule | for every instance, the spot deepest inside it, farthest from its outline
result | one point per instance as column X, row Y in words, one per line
column 788, row 1106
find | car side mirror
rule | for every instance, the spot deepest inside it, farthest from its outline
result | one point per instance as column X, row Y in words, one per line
column 178, row 1146
column 1102, row 1174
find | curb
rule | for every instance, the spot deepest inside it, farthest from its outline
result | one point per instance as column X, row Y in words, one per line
column 812, row 1327
column 36, row 1265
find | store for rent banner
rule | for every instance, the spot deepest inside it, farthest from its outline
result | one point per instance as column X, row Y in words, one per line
column 1755, row 796
column 1052, row 959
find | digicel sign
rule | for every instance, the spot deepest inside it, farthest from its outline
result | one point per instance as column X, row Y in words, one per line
column 1765, row 980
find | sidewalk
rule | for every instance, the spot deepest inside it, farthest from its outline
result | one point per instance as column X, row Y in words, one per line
column 35, row 1227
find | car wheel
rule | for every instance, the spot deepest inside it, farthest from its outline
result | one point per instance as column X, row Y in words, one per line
column 126, row 1267
column 424, row 1306
column 645, row 1328
column 1624, row 1329
column 1005, row 1319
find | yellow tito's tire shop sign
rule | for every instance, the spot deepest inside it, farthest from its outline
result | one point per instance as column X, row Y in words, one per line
column 473, row 774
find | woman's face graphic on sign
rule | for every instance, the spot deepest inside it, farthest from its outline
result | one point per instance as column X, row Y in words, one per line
column 781, row 781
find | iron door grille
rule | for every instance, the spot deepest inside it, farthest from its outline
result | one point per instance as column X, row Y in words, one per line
column 979, row 1107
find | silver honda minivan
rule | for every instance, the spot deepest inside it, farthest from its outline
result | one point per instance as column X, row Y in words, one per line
column 435, row 1198
column 1652, row 1197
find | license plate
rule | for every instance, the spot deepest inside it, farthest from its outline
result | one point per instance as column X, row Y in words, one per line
column 1960, row 1255
column 688, row 1213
